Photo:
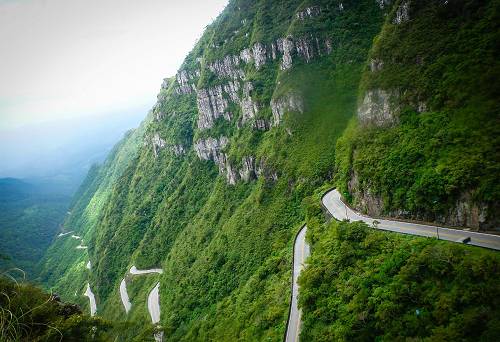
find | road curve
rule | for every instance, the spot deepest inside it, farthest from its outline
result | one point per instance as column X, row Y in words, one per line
column 90, row 294
column 339, row 210
column 154, row 304
column 300, row 252
column 124, row 296
column 135, row 271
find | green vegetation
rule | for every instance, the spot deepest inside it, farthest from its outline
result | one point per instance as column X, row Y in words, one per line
column 29, row 314
column 362, row 284
column 445, row 58
column 29, row 220
column 226, row 249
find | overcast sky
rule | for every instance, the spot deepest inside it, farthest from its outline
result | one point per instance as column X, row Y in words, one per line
column 74, row 58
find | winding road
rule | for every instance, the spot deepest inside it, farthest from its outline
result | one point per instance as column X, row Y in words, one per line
column 332, row 201
column 93, row 305
column 124, row 296
column 339, row 210
column 300, row 252
column 134, row 270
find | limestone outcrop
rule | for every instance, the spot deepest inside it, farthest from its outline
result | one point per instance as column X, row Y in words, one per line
column 379, row 108
column 213, row 149
column 283, row 104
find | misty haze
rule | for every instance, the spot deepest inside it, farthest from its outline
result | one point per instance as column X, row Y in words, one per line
column 249, row 170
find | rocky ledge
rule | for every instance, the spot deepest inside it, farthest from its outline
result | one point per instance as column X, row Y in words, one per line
column 212, row 149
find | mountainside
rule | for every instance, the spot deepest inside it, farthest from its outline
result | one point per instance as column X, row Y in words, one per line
column 425, row 142
column 211, row 187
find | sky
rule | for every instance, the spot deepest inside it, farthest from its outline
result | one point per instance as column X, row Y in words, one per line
column 67, row 58
column 80, row 60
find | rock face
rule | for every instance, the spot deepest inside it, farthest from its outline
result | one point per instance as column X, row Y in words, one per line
column 211, row 105
column 306, row 47
column 185, row 81
column 309, row 12
column 465, row 213
column 376, row 64
column 402, row 13
column 384, row 3
column 212, row 149
column 378, row 108
column 158, row 143
column 213, row 102
column 289, row 102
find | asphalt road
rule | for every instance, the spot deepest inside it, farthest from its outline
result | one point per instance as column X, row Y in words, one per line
column 124, row 296
column 90, row 294
column 339, row 210
column 333, row 202
column 154, row 304
column 300, row 252
column 134, row 270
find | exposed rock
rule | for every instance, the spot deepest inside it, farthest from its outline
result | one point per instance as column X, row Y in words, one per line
column 232, row 89
column 227, row 67
column 402, row 13
column 309, row 12
column 259, row 55
column 465, row 212
column 376, row 64
column 185, row 80
column 158, row 143
column 378, row 108
column 287, row 103
column 261, row 124
column 166, row 83
column 247, row 171
column 249, row 108
column 286, row 47
column 211, row 105
column 210, row 149
column 422, row 106
column 177, row 149
column 306, row 47
column 158, row 113
column 383, row 3
column 328, row 45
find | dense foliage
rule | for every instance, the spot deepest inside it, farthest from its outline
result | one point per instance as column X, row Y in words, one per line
column 30, row 217
column 445, row 61
column 362, row 284
column 225, row 249
column 29, row 314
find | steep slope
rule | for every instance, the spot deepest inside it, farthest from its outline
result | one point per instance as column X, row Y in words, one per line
column 211, row 188
column 363, row 285
column 237, row 139
column 425, row 141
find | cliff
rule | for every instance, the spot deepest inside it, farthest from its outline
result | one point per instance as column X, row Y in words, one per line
column 210, row 187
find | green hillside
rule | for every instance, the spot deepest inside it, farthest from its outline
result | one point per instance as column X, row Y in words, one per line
column 211, row 188
column 434, row 156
